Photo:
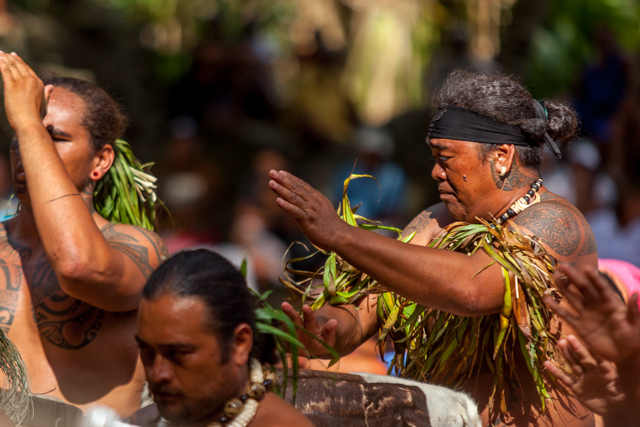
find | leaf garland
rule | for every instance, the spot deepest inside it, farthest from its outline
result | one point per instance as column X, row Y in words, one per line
column 126, row 194
column 442, row 348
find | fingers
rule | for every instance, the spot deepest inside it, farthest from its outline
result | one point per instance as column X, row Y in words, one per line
column 297, row 213
column 562, row 376
column 18, row 67
column 6, row 69
column 292, row 183
column 560, row 311
column 292, row 313
column 570, row 292
column 586, row 360
column 583, row 280
column 572, row 358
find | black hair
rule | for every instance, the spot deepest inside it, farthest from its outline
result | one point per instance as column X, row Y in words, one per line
column 208, row 276
column 501, row 98
column 104, row 118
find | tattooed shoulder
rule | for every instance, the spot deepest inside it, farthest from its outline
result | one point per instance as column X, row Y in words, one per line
column 145, row 248
column 560, row 227
column 424, row 219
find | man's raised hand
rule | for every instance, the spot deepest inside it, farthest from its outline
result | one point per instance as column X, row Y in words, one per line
column 24, row 92
column 324, row 330
column 314, row 213
column 609, row 327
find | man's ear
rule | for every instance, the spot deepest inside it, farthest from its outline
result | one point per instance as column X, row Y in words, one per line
column 102, row 162
column 504, row 156
column 242, row 344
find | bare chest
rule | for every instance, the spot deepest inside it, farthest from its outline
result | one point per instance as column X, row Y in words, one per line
column 30, row 295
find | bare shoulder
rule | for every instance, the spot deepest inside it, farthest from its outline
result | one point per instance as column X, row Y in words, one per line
column 273, row 411
column 561, row 227
column 144, row 247
column 427, row 224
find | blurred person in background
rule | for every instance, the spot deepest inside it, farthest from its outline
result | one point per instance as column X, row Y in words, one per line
column 72, row 280
column 192, row 185
column 383, row 198
column 617, row 228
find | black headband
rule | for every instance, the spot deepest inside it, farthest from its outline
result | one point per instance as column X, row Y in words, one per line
column 453, row 122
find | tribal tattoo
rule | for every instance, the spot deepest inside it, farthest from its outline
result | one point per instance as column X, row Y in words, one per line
column 514, row 179
column 557, row 227
column 62, row 320
column 87, row 195
column 130, row 247
column 418, row 224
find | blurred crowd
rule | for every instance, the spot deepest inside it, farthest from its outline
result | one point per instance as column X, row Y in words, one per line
column 218, row 130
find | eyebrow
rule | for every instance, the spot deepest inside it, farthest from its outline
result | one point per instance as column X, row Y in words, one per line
column 57, row 132
column 438, row 146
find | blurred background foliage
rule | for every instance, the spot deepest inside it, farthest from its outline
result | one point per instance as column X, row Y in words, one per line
column 221, row 91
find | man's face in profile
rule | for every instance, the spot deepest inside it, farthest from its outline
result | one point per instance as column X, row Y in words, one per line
column 182, row 359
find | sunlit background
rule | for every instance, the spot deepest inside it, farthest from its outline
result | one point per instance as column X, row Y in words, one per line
column 221, row 91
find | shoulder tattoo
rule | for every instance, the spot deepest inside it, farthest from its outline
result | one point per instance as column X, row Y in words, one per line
column 514, row 180
column 130, row 247
column 418, row 224
column 557, row 227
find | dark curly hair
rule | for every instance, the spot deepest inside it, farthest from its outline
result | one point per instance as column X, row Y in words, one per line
column 503, row 99
column 208, row 276
column 105, row 120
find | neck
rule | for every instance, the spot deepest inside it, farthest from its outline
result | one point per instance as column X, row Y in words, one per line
column 239, row 390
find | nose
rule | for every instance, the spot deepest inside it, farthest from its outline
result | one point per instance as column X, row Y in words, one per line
column 438, row 173
column 159, row 371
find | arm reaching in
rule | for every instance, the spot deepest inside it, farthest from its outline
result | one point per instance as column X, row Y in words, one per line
column 609, row 327
column 596, row 382
column 344, row 328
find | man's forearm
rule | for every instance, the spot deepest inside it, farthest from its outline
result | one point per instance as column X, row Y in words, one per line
column 436, row 278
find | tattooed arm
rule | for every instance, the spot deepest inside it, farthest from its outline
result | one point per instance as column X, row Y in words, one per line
column 61, row 167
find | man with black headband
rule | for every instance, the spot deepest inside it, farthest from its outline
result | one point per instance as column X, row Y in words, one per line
column 487, row 137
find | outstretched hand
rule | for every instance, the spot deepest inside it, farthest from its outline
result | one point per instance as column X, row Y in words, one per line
column 324, row 330
column 609, row 327
column 25, row 97
column 596, row 383
column 314, row 213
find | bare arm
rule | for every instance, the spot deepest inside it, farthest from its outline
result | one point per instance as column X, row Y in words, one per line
column 439, row 279
column 88, row 266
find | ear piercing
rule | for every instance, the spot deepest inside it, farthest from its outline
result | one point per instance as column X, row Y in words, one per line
column 503, row 171
column 464, row 177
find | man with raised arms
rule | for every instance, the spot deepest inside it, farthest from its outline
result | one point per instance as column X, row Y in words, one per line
column 487, row 138
column 70, row 281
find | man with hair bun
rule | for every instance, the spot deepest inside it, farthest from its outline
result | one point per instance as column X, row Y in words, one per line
column 487, row 136
column 71, row 281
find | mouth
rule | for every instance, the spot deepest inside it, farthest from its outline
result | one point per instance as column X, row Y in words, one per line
column 446, row 195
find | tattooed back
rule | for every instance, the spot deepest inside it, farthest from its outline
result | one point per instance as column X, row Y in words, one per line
column 73, row 350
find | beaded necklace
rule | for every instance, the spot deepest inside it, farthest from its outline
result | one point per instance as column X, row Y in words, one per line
column 522, row 203
column 239, row 412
